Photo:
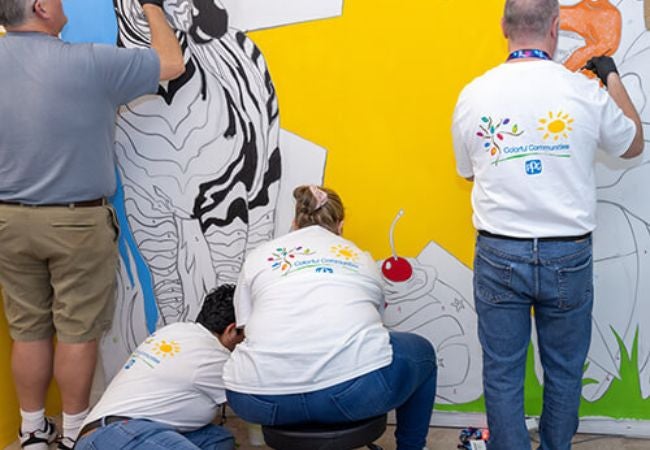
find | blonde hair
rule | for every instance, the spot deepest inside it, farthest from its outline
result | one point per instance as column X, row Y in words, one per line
column 311, row 210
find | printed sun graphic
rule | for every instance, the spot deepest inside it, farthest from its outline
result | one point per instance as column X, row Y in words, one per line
column 556, row 126
column 343, row 251
column 164, row 348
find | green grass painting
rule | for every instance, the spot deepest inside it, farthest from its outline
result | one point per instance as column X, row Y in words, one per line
column 621, row 401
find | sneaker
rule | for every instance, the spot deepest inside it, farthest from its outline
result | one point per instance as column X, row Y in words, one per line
column 44, row 437
column 65, row 443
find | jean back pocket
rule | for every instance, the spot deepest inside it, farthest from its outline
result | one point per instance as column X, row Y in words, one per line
column 492, row 279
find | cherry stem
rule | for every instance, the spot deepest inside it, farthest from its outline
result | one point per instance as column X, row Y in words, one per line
column 391, row 235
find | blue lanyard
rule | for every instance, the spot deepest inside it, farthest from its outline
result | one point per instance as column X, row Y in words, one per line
column 529, row 53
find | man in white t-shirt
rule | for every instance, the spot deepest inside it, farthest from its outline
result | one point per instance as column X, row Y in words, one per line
column 526, row 133
column 168, row 392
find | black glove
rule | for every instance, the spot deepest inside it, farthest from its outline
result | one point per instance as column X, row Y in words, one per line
column 152, row 2
column 602, row 66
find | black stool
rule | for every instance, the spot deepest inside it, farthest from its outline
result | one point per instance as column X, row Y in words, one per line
column 341, row 436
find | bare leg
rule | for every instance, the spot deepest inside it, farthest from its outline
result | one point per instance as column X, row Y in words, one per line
column 74, row 366
column 31, row 364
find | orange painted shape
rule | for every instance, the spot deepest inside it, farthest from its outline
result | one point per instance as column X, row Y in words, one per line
column 599, row 23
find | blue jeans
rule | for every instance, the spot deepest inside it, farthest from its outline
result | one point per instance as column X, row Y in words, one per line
column 150, row 435
column 408, row 385
column 555, row 278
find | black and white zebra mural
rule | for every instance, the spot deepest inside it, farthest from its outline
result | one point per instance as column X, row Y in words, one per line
column 202, row 164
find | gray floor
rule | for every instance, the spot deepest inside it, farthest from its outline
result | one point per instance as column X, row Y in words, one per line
column 445, row 439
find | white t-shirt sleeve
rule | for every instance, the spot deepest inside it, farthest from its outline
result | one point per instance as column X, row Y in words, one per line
column 208, row 378
column 461, row 150
column 243, row 299
column 616, row 130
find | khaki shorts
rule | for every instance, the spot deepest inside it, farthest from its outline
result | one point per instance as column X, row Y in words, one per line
column 58, row 271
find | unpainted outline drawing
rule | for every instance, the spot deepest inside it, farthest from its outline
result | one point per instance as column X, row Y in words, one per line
column 622, row 236
column 431, row 295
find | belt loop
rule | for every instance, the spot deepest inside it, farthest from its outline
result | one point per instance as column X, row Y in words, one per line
column 71, row 205
column 103, row 421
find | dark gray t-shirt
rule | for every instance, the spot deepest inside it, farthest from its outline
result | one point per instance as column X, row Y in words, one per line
column 57, row 115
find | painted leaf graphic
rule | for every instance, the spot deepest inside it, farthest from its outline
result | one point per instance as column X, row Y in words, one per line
column 514, row 128
column 485, row 119
column 506, row 121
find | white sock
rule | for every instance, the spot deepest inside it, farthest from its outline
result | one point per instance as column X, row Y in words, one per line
column 72, row 423
column 32, row 420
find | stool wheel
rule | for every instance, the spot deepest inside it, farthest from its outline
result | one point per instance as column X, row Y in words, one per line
column 341, row 436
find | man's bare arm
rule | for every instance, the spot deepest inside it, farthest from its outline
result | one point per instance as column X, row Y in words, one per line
column 164, row 42
column 618, row 93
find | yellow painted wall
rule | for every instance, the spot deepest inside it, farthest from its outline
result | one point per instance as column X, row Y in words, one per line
column 377, row 88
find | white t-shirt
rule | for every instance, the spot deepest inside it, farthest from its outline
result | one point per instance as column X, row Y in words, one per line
column 528, row 132
column 310, row 304
column 173, row 377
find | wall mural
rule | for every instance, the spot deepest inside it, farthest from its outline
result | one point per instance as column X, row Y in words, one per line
column 206, row 174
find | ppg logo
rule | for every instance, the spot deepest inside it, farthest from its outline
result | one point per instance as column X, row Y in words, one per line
column 534, row 167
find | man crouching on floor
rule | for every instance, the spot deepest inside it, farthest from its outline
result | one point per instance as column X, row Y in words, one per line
column 168, row 393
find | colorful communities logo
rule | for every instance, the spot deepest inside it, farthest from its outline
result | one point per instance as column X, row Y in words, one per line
column 165, row 349
column 555, row 126
column 283, row 259
column 345, row 252
column 494, row 133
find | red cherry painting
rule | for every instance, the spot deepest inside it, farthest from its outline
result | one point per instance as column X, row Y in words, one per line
column 396, row 268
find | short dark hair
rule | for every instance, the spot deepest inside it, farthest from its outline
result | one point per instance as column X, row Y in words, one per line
column 524, row 19
column 218, row 311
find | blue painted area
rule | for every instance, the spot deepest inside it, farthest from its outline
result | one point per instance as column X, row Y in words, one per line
column 127, row 248
column 90, row 21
